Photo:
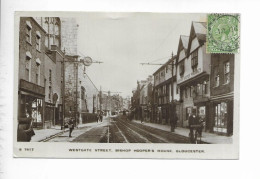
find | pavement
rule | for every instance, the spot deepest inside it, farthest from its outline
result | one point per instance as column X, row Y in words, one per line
column 206, row 136
column 122, row 131
column 46, row 134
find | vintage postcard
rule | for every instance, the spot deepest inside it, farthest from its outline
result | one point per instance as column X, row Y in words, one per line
column 126, row 85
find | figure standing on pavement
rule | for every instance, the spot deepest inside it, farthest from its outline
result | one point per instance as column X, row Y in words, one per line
column 193, row 120
column 173, row 121
column 97, row 116
column 101, row 116
column 71, row 126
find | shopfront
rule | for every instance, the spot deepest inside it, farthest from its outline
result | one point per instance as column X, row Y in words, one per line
column 31, row 103
column 222, row 118
column 203, row 113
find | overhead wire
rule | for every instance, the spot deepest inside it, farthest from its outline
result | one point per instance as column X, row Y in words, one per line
column 162, row 42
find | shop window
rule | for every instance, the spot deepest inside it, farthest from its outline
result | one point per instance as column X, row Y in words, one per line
column 221, row 115
column 38, row 41
column 226, row 72
column 216, row 76
column 181, row 68
column 28, row 32
column 202, row 112
column 194, row 60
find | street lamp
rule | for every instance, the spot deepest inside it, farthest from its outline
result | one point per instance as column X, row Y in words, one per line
column 86, row 61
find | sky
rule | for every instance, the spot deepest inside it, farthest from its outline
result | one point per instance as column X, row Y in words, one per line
column 124, row 40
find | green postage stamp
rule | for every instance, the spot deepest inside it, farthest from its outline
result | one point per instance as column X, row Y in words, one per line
column 223, row 33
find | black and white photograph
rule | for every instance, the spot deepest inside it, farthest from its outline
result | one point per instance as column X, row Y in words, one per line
column 129, row 89
column 155, row 78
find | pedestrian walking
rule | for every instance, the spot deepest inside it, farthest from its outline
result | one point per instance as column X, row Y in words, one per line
column 101, row 117
column 173, row 122
column 97, row 116
column 71, row 126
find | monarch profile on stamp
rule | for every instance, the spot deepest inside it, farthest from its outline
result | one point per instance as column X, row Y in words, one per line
column 223, row 33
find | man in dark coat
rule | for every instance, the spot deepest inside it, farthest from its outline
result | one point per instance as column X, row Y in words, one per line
column 25, row 126
column 193, row 120
column 173, row 122
column 71, row 126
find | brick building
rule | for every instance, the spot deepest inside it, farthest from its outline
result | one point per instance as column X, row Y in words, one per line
column 31, row 71
column 222, row 93
column 53, row 77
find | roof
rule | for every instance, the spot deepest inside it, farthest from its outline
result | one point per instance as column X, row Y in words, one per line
column 198, row 29
column 185, row 41
column 169, row 61
column 183, row 44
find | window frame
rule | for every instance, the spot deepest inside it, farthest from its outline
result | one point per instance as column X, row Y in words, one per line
column 28, row 60
column 216, row 76
column 226, row 73
column 194, row 59
column 50, row 75
column 28, row 34
column 181, row 68
column 38, row 72
column 38, row 41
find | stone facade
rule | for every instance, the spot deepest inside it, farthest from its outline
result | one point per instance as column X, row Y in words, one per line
column 79, row 86
column 69, row 36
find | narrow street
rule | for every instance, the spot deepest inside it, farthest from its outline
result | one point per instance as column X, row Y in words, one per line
column 120, row 130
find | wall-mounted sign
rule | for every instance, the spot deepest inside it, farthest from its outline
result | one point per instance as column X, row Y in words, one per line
column 196, row 72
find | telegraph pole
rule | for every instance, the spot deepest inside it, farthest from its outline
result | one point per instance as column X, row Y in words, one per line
column 63, row 91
